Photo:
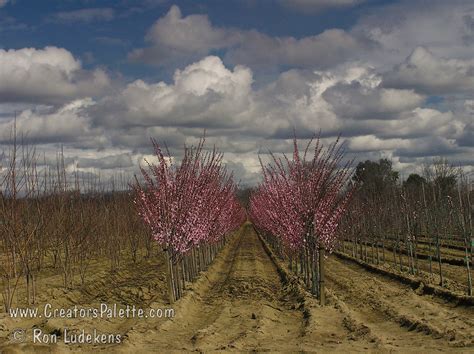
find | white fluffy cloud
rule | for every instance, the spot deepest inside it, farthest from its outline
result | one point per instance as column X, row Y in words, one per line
column 466, row 138
column 372, row 83
column 3, row 3
column 431, row 146
column 205, row 93
column 242, row 119
column 208, row 95
column 48, row 75
column 66, row 124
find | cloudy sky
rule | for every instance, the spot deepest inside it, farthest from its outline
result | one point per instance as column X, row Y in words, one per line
column 100, row 77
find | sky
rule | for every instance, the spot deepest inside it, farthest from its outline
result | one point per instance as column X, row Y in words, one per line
column 100, row 78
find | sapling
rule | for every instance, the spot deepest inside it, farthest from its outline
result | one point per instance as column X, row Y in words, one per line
column 301, row 203
column 188, row 207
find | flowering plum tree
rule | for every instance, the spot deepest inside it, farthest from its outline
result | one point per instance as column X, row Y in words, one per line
column 301, row 202
column 189, row 208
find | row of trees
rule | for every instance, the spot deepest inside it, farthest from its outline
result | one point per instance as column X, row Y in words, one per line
column 415, row 219
column 189, row 208
column 51, row 219
column 299, row 206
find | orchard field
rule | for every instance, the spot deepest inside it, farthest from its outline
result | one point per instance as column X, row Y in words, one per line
column 319, row 257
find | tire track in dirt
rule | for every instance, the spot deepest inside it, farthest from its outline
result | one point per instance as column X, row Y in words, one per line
column 241, row 304
column 240, row 308
column 396, row 315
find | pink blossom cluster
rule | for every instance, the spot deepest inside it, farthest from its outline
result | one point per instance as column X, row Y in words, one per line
column 191, row 203
column 302, row 201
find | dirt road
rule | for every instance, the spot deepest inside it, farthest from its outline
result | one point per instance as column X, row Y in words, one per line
column 243, row 305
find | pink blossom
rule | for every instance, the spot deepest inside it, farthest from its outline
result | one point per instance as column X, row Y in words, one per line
column 190, row 204
column 302, row 202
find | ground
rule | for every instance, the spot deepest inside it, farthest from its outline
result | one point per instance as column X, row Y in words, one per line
column 246, row 301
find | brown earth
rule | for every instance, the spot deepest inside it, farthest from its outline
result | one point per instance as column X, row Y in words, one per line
column 242, row 303
column 454, row 276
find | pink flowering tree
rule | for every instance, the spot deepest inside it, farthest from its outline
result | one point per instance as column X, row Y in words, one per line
column 189, row 209
column 301, row 202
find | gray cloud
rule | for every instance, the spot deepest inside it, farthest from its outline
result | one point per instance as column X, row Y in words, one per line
column 174, row 36
column 353, row 100
column 183, row 39
column 428, row 74
column 428, row 147
column 109, row 162
column 467, row 136
column 327, row 49
column 87, row 15
column 442, row 27
column 319, row 5
column 111, row 41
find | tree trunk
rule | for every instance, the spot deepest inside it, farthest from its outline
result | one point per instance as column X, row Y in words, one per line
column 322, row 295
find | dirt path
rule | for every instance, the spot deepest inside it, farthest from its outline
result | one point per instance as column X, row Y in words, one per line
column 242, row 305
column 395, row 315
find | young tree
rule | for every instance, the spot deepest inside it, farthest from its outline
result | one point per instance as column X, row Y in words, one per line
column 301, row 203
column 188, row 207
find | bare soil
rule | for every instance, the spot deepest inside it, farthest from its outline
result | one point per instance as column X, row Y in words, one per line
column 246, row 301
column 454, row 276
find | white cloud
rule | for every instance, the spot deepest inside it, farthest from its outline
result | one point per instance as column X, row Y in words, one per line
column 205, row 93
column 3, row 3
column 66, row 124
column 426, row 73
column 241, row 119
column 417, row 123
column 373, row 84
column 466, row 138
column 367, row 143
column 48, row 75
